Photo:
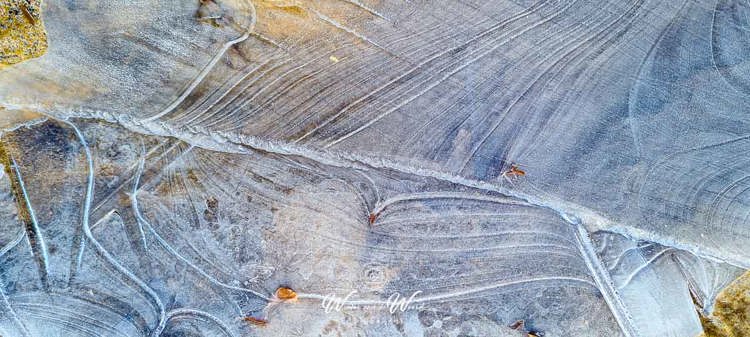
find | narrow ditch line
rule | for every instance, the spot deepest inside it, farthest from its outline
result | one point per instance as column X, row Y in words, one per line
column 604, row 281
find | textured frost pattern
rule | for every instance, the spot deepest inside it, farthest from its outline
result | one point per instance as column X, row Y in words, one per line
column 576, row 165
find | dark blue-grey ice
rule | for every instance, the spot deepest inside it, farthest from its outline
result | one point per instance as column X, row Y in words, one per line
column 190, row 157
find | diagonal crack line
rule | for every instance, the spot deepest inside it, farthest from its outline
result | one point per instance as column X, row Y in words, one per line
column 230, row 142
column 26, row 214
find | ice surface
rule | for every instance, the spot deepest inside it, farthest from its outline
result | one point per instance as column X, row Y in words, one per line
column 197, row 155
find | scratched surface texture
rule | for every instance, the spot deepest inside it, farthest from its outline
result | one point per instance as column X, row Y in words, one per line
column 169, row 164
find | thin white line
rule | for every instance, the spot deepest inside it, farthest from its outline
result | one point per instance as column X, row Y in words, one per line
column 198, row 79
